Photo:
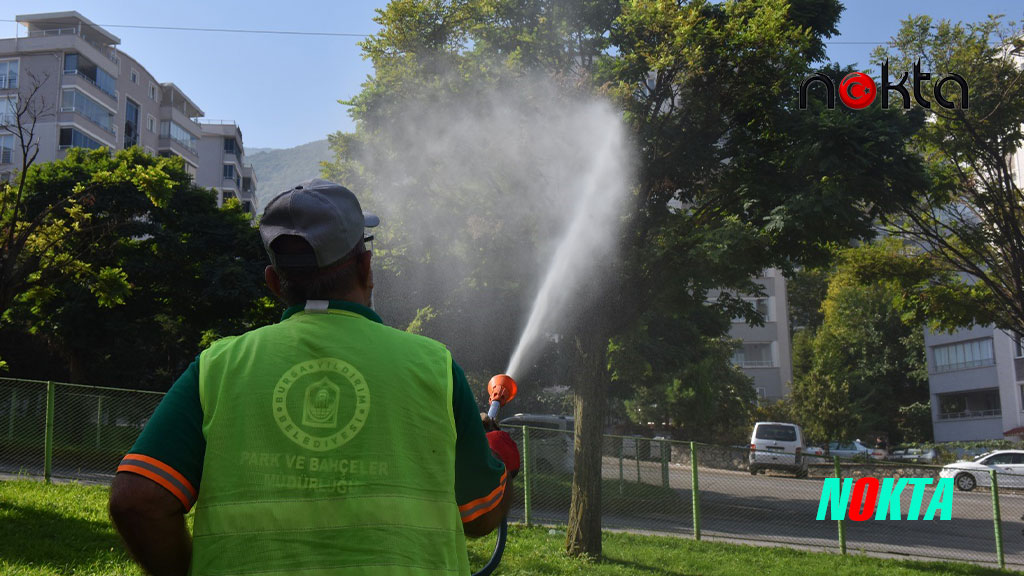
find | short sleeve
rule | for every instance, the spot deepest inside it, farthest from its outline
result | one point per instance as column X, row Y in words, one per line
column 171, row 447
column 479, row 474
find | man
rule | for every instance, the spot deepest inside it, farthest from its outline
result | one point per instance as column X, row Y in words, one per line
column 327, row 443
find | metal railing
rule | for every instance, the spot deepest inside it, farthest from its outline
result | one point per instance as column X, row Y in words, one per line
column 970, row 414
column 688, row 489
column 91, row 81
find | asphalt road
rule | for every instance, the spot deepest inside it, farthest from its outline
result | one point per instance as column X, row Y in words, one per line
column 781, row 509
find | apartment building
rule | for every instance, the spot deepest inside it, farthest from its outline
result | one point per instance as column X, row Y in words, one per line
column 766, row 351
column 976, row 376
column 976, row 382
column 89, row 94
column 223, row 168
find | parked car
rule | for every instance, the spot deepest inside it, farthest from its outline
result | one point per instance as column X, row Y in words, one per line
column 777, row 446
column 856, row 449
column 1008, row 464
column 551, row 440
column 923, row 455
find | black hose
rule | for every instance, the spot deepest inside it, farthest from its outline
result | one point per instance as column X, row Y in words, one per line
column 499, row 549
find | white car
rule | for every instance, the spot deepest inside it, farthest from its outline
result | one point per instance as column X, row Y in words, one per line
column 1008, row 464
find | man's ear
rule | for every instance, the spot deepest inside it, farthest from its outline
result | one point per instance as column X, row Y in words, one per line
column 273, row 281
column 365, row 270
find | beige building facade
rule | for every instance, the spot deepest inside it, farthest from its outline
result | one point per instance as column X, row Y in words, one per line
column 84, row 92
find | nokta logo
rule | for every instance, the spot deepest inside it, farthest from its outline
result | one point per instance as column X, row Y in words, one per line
column 867, row 498
column 857, row 90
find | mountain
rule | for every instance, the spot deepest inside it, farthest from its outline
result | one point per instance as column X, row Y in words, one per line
column 278, row 169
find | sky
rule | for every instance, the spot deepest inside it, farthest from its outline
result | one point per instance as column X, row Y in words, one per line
column 283, row 90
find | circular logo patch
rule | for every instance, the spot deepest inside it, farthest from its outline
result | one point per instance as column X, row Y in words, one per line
column 321, row 404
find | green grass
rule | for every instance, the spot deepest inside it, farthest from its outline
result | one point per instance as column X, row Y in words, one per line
column 63, row 529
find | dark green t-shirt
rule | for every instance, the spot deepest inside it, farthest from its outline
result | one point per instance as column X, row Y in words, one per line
column 171, row 447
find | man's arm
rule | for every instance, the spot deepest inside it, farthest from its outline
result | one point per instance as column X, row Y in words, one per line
column 483, row 487
column 152, row 523
column 156, row 481
column 487, row 523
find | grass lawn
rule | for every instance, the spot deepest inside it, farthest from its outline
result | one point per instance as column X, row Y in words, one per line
column 63, row 529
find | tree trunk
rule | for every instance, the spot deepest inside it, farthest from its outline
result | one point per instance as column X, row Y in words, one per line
column 583, row 536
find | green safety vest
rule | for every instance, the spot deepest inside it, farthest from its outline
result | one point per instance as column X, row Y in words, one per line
column 330, row 449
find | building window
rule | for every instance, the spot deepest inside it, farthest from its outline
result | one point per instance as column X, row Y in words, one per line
column 73, row 138
column 150, row 123
column 229, row 171
column 229, row 145
column 73, row 100
column 764, row 307
column 131, row 123
column 152, row 91
column 755, row 355
column 174, row 131
column 9, row 111
column 135, row 77
column 78, row 65
column 8, row 74
column 761, row 393
column 1018, row 346
column 963, row 355
column 7, row 149
column 973, row 404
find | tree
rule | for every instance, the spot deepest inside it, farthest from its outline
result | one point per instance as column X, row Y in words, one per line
column 868, row 355
column 166, row 266
column 732, row 178
column 971, row 219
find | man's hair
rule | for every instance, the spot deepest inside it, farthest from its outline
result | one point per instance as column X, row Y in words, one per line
column 310, row 283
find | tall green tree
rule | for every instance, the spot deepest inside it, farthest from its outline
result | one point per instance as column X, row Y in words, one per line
column 733, row 177
column 172, row 270
column 868, row 355
column 971, row 219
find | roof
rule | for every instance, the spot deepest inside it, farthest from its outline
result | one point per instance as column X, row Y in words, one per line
column 67, row 17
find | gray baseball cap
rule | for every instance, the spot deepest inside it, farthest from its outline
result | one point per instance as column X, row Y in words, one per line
column 324, row 214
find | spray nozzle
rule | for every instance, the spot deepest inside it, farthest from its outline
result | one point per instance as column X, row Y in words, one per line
column 501, row 389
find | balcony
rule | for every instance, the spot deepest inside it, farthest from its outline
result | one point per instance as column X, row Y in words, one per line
column 80, row 112
column 107, row 51
column 78, row 77
column 971, row 414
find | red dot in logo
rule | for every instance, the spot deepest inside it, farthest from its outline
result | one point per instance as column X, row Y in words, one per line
column 857, row 90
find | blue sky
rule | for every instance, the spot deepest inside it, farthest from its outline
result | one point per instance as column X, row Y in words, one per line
column 283, row 89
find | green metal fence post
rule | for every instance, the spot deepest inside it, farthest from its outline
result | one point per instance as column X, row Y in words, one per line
column 664, row 463
column 621, row 442
column 99, row 418
column 842, row 526
column 996, row 520
column 10, row 421
column 526, row 475
column 638, row 463
column 695, row 491
column 48, row 443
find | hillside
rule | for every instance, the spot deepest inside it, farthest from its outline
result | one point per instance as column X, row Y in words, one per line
column 278, row 169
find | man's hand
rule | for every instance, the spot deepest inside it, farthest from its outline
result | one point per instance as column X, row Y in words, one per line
column 152, row 523
column 489, row 424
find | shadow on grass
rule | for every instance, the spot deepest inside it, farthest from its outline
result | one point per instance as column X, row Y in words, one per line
column 653, row 569
column 40, row 537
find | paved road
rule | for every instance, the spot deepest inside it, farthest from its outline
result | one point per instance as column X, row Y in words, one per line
column 781, row 509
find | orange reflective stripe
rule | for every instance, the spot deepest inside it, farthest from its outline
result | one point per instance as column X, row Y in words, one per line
column 171, row 471
column 149, row 474
column 472, row 510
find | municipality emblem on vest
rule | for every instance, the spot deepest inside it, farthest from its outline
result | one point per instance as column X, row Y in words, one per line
column 321, row 404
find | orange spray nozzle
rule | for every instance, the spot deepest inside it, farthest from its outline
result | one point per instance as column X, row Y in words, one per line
column 501, row 389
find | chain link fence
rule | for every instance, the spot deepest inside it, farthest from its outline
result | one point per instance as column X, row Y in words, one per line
column 708, row 492
column 71, row 431
column 648, row 485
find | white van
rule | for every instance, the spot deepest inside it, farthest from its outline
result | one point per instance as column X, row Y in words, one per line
column 551, row 440
column 778, row 446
